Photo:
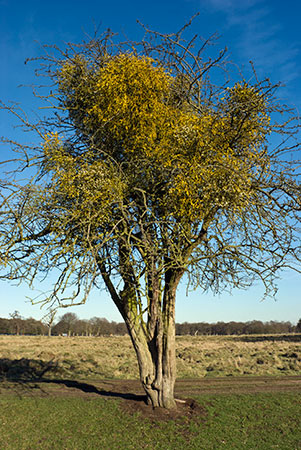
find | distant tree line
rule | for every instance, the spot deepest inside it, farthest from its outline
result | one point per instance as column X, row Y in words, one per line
column 70, row 325
column 237, row 328
column 19, row 326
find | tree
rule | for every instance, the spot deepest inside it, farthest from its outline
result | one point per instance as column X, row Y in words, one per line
column 152, row 165
column 66, row 324
column 16, row 321
column 5, row 326
column 32, row 326
column 100, row 326
column 49, row 320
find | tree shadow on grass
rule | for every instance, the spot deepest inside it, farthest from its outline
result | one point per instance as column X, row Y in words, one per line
column 25, row 370
column 29, row 374
column 30, row 377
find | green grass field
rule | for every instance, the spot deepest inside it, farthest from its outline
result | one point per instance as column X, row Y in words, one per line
column 234, row 412
column 261, row 421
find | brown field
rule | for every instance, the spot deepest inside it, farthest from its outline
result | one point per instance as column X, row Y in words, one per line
column 114, row 358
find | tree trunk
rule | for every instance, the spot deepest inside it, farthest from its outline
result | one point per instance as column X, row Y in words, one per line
column 156, row 353
column 154, row 342
column 156, row 360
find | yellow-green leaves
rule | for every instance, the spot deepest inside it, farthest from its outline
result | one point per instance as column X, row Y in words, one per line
column 129, row 102
column 247, row 115
column 90, row 185
column 141, row 120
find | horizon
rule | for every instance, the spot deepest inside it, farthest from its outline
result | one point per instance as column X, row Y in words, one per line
column 59, row 318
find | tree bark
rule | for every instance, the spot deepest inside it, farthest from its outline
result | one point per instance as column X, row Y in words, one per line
column 154, row 342
column 156, row 351
column 156, row 361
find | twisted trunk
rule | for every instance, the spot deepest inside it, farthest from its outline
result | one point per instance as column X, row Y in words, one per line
column 155, row 346
column 154, row 342
column 156, row 360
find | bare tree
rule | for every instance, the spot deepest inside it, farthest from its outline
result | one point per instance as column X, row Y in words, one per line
column 49, row 320
column 17, row 321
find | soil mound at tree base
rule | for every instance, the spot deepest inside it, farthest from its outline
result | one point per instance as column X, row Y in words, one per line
column 187, row 409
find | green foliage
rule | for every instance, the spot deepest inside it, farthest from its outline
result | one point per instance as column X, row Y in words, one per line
column 201, row 161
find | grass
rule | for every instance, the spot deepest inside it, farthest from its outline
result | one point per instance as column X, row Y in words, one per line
column 34, row 419
column 261, row 422
column 197, row 356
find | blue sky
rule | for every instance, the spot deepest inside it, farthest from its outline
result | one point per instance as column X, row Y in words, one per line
column 264, row 31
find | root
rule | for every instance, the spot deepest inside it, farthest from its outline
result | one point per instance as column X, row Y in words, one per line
column 179, row 400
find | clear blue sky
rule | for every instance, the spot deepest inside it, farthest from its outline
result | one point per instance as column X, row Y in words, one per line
column 264, row 31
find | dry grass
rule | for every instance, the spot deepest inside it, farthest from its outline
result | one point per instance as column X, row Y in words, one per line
column 197, row 356
column 227, row 355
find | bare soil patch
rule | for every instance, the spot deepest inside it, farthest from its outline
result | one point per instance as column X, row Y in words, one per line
column 187, row 409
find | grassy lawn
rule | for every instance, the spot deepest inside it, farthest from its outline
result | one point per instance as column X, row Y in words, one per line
column 261, row 421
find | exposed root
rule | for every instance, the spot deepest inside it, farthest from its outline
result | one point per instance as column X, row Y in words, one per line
column 179, row 400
